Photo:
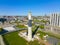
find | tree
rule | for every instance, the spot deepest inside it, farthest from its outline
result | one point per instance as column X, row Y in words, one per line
column 1, row 29
column 3, row 20
column 41, row 26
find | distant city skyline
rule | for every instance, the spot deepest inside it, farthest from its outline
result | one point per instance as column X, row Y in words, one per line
column 22, row 7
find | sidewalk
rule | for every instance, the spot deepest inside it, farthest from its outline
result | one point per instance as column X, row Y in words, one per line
column 1, row 41
column 44, row 42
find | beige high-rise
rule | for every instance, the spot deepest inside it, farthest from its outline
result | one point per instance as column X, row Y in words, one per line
column 55, row 19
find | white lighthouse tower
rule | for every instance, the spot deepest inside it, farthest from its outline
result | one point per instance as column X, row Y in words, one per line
column 29, row 26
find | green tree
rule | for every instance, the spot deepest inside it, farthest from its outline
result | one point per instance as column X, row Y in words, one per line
column 41, row 26
column 1, row 29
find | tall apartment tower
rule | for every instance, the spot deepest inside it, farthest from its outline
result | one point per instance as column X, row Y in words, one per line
column 29, row 26
column 55, row 20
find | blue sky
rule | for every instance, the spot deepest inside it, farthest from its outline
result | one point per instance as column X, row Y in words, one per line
column 22, row 7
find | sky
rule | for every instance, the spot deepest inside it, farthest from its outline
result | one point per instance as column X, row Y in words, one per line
column 22, row 7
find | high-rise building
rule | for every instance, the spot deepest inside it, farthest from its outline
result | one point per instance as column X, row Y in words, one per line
column 29, row 26
column 55, row 19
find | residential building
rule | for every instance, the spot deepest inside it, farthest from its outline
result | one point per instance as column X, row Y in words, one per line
column 55, row 19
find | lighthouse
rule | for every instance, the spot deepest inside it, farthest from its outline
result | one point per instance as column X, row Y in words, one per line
column 29, row 26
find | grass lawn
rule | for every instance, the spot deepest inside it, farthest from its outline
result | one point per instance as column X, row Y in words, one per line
column 53, row 35
column 58, row 43
column 50, row 34
column 14, row 39
column 21, row 26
